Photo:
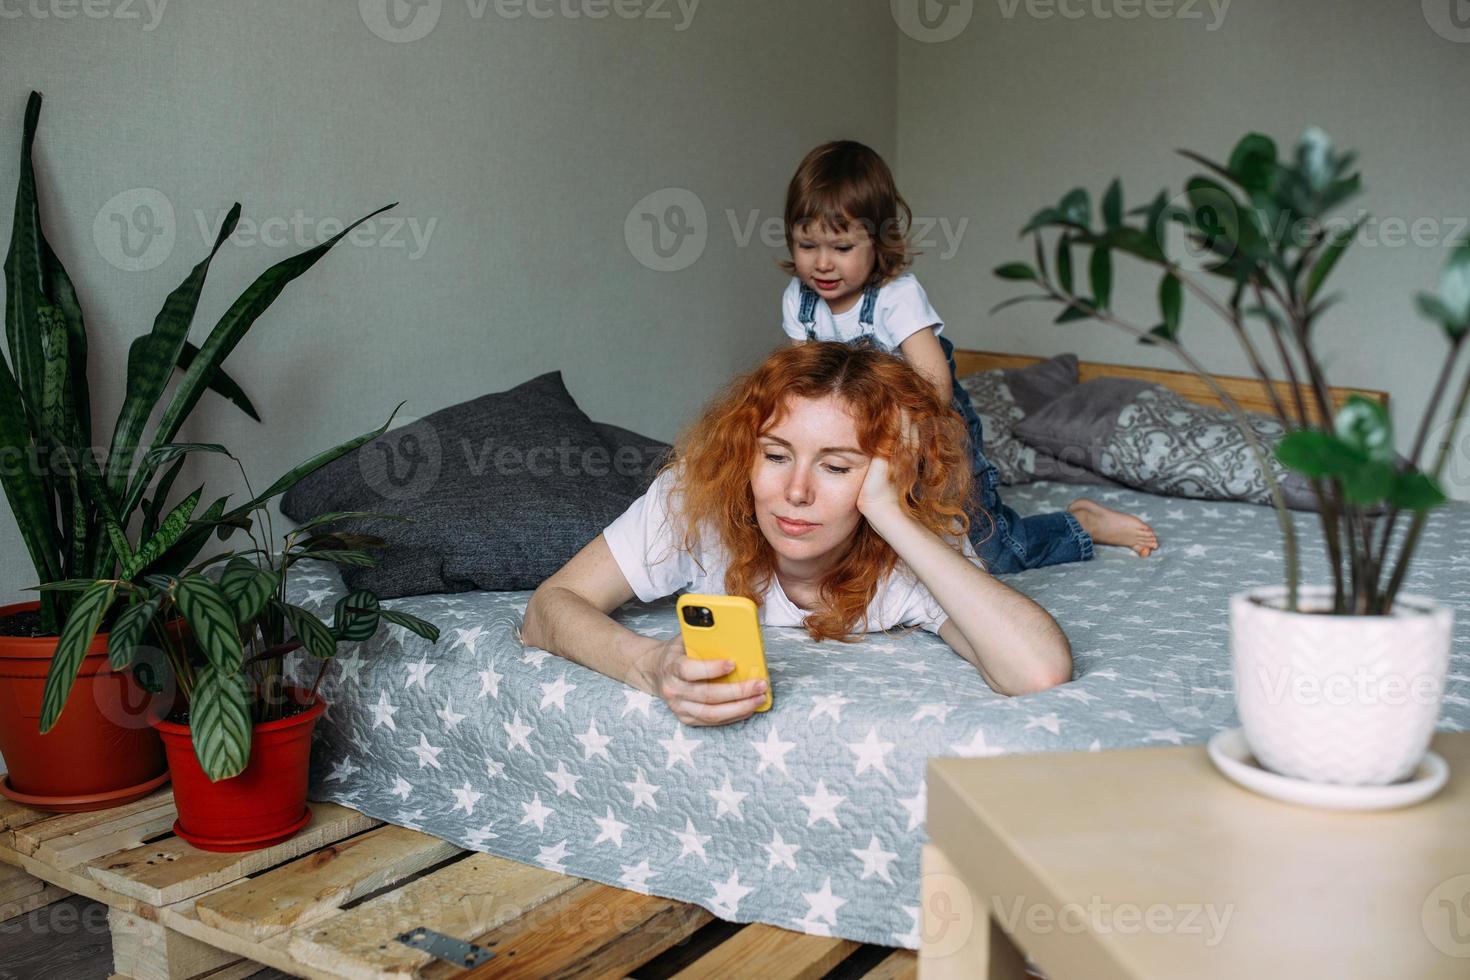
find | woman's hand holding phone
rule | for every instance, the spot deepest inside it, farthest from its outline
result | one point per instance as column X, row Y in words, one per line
column 690, row 689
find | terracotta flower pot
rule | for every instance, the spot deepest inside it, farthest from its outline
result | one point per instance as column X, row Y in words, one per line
column 263, row 805
column 100, row 753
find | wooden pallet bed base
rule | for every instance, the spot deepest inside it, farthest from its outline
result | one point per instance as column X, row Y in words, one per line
column 332, row 902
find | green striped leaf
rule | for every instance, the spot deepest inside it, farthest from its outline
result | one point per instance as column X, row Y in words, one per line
column 312, row 632
column 219, row 722
column 238, row 319
column 169, row 532
column 356, row 616
column 359, row 558
column 151, row 360
column 71, row 647
column 413, row 624
column 211, row 620
column 247, row 588
column 128, row 631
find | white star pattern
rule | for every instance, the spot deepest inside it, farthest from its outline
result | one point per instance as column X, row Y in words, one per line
column 875, row 860
column 535, row 812
column 594, row 743
column 418, row 673
column 870, row 754
column 772, row 752
column 691, row 841
column 728, row 894
column 781, row 852
column 680, row 749
column 642, row 792
column 466, row 798
column 727, row 800
column 428, row 754
column 610, row 828
column 821, row 805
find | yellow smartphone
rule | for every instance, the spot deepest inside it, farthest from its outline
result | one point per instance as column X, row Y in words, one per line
column 725, row 627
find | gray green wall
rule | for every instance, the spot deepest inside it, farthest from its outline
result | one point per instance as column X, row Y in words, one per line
column 1034, row 97
column 517, row 145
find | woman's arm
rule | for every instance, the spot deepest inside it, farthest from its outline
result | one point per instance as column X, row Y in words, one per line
column 568, row 615
column 1015, row 644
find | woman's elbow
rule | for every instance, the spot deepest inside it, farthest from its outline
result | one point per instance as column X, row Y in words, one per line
column 533, row 632
column 1050, row 667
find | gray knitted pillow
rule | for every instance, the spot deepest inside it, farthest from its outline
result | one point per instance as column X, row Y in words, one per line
column 501, row 490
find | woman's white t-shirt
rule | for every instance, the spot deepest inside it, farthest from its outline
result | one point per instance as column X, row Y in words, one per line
column 652, row 559
column 900, row 311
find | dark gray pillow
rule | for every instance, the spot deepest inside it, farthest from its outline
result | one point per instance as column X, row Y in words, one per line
column 1003, row 397
column 501, row 490
column 1147, row 436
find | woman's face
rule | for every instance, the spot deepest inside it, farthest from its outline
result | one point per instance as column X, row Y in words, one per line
column 806, row 477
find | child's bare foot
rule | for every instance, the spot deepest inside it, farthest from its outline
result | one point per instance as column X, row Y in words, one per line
column 1108, row 526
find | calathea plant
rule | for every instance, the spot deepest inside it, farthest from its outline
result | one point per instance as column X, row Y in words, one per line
column 228, row 669
column 1262, row 224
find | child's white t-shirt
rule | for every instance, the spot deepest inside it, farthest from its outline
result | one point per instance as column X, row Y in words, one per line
column 900, row 311
column 652, row 559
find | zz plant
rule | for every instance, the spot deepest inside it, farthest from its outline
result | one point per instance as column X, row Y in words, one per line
column 229, row 672
column 71, row 512
column 1262, row 225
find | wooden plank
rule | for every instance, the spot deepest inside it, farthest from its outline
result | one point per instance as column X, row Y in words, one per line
column 13, row 815
column 464, row 900
column 592, row 930
column 314, row 887
column 21, row 892
column 70, row 839
column 770, row 952
column 145, row 950
column 901, row 964
column 1249, row 392
column 172, row 870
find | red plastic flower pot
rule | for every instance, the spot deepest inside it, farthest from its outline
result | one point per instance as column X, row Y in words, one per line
column 100, row 753
column 263, row 805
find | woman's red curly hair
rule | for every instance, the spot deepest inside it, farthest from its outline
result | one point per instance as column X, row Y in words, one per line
column 714, row 457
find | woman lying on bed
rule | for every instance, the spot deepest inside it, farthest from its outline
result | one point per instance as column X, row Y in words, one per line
column 829, row 486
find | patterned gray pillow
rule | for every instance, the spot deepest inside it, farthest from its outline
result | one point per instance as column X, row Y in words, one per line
column 1146, row 436
column 1003, row 398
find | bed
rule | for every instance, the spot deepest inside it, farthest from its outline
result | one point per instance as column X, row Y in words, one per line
column 809, row 816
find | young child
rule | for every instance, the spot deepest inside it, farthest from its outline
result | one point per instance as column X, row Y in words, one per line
column 847, row 232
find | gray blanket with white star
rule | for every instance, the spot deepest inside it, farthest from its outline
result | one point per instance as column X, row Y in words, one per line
column 809, row 816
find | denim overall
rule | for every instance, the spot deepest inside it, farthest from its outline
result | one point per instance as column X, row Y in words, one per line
column 1005, row 540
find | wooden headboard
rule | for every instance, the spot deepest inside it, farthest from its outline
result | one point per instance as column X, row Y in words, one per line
column 1249, row 393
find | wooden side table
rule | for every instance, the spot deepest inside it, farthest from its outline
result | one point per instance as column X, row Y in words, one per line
column 1148, row 863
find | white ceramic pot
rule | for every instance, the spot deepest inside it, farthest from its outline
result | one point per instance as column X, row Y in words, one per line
column 1351, row 700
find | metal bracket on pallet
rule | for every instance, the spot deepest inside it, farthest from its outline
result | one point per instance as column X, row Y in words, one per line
column 446, row 948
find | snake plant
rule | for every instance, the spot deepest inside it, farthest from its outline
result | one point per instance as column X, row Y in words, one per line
column 73, row 513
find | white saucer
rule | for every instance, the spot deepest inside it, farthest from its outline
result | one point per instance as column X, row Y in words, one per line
column 1232, row 756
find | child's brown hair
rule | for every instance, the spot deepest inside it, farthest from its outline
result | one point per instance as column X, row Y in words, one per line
column 843, row 182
